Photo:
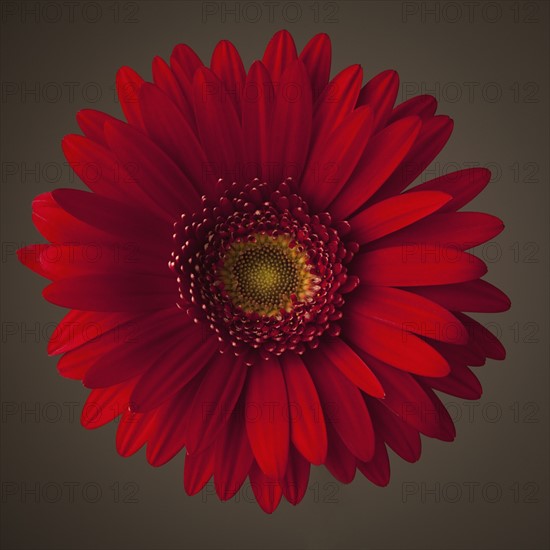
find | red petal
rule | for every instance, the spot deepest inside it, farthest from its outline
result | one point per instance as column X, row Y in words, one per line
column 268, row 492
column 227, row 65
column 58, row 226
column 76, row 363
column 75, row 217
column 475, row 295
column 184, row 64
column 482, row 338
column 99, row 169
column 461, row 382
column 233, row 456
column 64, row 261
column 340, row 461
column 461, row 230
column 169, row 436
column 291, row 126
column 173, row 370
column 113, row 217
column 380, row 93
column 463, row 186
column 394, row 346
column 128, row 83
column 387, row 216
column 381, row 157
column 30, row 256
column 133, row 431
column 408, row 312
column 168, row 128
column 185, row 61
column 279, row 54
column 423, row 106
column 91, row 123
column 317, row 56
column 123, row 292
column 352, row 366
column 433, row 136
column 330, row 167
column 417, row 265
column 267, row 417
column 153, row 170
column 377, row 470
column 79, row 327
column 445, row 422
column 197, row 470
column 307, row 424
column 257, row 112
column 214, row 400
column 463, row 355
column 105, row 404
column 294, row 484
column 335, row 103
column 89, row 330
column 343, row 406
column 410, row 401
column 136, row 347
column 164, row 78
column 219, row 127
column 401, row 438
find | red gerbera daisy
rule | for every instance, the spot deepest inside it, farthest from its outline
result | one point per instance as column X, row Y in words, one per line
column 261, row 288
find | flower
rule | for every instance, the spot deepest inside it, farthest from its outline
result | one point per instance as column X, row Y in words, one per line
column 250, row 278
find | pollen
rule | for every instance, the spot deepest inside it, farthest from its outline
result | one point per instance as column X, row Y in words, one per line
column 266, row 274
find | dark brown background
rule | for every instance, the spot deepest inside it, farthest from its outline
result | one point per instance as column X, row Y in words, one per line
column 496, row 51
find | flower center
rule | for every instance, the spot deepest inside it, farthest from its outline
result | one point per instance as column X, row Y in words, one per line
column 261, row 271
column 265, row 274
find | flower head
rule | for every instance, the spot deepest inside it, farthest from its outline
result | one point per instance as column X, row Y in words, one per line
column 263, row 287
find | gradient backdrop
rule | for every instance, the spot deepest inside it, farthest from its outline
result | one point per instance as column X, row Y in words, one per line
column 487, row 63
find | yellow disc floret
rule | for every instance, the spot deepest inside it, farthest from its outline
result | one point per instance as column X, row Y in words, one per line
column 265, row 274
